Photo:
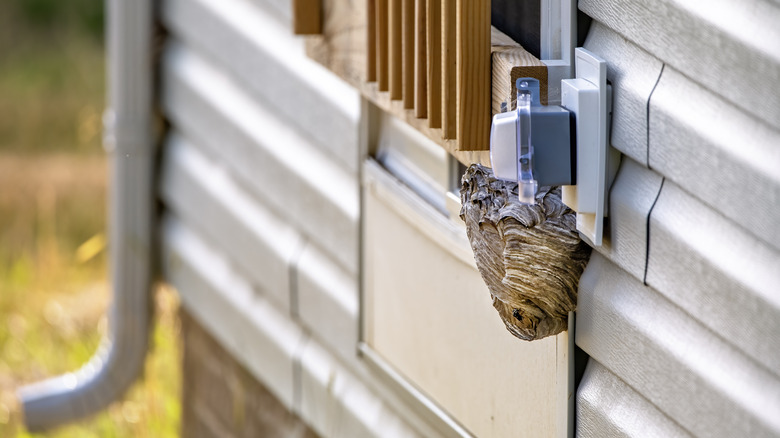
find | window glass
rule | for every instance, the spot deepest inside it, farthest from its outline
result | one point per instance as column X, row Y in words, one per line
column 521, row 20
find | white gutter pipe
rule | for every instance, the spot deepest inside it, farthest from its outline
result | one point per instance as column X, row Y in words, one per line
column 129, row 142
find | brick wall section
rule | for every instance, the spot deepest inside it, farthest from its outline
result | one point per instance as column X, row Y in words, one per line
column 221, row 399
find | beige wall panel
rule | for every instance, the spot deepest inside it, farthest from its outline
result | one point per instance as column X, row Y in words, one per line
column 430, row 316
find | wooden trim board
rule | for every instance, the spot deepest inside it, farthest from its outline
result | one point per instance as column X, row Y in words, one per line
column 448, row 100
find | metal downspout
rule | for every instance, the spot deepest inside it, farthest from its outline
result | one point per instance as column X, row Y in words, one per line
column 129, row 143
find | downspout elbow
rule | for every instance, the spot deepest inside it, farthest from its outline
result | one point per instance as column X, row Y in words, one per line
column 120, row 358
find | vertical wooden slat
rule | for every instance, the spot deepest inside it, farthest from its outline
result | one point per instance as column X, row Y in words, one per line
column 382, row 70
column 421, row 60
column 307, row 17
column 449, row 69
column 433, row 40
column 473, row 78
column 395, row 39
column 408, row 28
column 371, row 40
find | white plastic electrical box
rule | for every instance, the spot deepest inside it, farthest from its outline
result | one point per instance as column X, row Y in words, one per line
column 588, row 96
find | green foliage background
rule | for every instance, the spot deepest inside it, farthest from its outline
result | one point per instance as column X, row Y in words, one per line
column 53, row 282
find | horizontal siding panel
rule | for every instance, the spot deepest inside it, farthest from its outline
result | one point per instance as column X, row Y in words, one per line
column 270, row 63
column 281, row 9
column 718, row 153
column 327, row 302
column 606, row 406
column 300, row 372
column 297, row 181
column 245, row 323
column 730, row 47
column 630, row 201
column 690, row 374
column 336, row 404
column 633, row 73
column 205, row 196
column 721, row 275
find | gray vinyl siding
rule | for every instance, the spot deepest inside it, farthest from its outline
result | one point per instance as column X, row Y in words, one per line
column 203, row 193
column 691, row 374
column 680, row 310
column 260, row 187
column 632, row 197
column 608, row 407
column 241, row 318
column 268, row 63
column 721, row 275
column 729, row 47
column 633, row 74
column 723, row 156
column 281, row 167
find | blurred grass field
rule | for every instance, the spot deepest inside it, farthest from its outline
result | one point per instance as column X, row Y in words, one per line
column 53, row 279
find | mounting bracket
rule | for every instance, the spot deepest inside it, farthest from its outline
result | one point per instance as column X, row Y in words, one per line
column 589, row 97
column 566, row 145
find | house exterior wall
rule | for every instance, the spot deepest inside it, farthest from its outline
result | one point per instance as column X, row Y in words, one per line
column 679, row 310
column 271, row 165
column 260, row 229
column 262, row 168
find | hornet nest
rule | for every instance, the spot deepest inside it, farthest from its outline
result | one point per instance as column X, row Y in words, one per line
column 530, row 256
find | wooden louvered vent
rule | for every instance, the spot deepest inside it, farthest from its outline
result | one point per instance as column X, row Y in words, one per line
column 453, row 93
column 426, row 61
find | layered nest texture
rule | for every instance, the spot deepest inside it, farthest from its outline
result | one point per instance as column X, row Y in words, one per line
column 530, row 256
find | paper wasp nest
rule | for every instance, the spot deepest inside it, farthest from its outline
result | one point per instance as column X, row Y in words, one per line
column 530, row 256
